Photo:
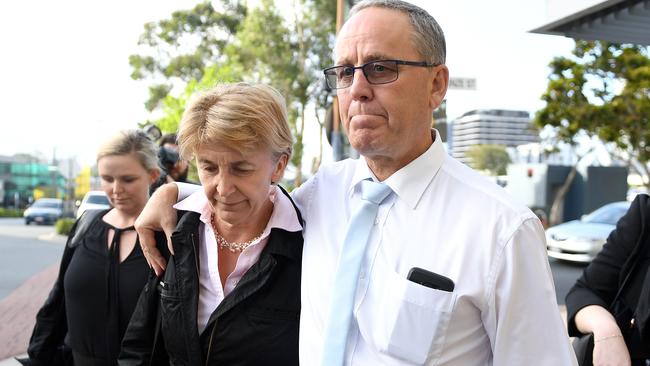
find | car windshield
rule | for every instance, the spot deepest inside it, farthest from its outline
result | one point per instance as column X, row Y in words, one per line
column 609, row 214
column 98, row 199
column 47, row 204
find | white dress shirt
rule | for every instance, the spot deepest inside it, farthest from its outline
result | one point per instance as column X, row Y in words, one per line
column 447, row 219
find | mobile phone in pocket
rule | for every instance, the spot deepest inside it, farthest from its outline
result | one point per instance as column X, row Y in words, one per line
column 430, row 279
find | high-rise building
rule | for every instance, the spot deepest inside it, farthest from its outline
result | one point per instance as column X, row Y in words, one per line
column 490, row 127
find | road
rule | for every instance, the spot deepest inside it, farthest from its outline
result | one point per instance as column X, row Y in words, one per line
column 28, row 266
column 26, row 250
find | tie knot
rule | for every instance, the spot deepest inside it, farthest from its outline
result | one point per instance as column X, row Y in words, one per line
column 374, row 192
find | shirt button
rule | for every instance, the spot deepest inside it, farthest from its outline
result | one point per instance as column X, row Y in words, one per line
column 376, row 221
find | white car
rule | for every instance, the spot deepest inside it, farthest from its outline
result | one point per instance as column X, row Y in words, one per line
column 580, row 240
column 93, row 200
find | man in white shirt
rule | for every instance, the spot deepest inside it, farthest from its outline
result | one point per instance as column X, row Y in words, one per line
column 441, row 216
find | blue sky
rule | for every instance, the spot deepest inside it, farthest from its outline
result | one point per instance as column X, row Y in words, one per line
column 65, row 76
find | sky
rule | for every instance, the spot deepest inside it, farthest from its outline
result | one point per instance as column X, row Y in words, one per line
column 65, row 79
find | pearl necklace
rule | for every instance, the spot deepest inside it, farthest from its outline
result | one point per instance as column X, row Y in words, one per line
column 225, row 244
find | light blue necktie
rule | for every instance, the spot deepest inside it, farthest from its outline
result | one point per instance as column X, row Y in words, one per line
column 345, row 285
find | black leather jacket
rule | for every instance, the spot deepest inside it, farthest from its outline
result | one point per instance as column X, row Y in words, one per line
column 256, row 324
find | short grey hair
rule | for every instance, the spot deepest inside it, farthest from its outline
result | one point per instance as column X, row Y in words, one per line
column 428, row 38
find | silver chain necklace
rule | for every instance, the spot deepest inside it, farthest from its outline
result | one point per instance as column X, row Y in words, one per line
column 225, row 244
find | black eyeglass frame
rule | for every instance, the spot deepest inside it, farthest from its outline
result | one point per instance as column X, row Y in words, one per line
column 365, row 73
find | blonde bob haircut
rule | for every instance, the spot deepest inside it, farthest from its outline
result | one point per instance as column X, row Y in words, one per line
column 244, row 117
column 131, row 142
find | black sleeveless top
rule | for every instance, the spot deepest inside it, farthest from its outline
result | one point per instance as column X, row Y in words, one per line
column 101, row 294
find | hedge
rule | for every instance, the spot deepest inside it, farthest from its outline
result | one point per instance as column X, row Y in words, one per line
column 10, row 212
column 63, row 226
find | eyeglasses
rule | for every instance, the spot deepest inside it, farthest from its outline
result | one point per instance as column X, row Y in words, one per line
column 376, row 72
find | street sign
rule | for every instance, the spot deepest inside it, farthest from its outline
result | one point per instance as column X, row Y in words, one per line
column 462, row 83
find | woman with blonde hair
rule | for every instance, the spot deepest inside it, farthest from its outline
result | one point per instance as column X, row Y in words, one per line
column 103, row 268
column 230, row 294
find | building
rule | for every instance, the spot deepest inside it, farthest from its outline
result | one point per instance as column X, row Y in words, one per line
column 618, row 21
column 490, row 127
column 24, row 177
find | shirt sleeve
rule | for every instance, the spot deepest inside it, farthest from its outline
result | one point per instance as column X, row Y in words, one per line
column 524, row 322
column 303, row 195
column 185, row 190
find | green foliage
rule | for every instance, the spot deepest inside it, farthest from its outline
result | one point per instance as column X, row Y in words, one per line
column 173, row 107
column 289, row 55
column 63, row 226
column 493, row 158
column 180, row 48
column 602, row 91
column 257, row 45
column 10, row 212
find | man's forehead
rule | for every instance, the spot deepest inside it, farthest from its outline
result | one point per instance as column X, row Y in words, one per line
column 371, row 34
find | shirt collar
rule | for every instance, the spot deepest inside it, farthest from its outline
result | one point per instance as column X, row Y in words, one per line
column 284, row 215
column 410, row 182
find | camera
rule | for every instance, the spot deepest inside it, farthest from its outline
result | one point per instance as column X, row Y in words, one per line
column 167, row 158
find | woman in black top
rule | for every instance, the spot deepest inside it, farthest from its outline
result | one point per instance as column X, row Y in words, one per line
column 103, row 269
column 620, row 325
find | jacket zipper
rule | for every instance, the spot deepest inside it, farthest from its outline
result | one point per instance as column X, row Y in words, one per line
column 196, row 264
column 207, row 356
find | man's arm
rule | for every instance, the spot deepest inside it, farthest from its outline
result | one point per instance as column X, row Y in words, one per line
column 523, row 320
column 159, row 215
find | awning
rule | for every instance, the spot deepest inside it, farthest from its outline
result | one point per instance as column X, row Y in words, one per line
column 618, row 21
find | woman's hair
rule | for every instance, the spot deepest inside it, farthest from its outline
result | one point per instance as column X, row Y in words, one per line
column 244, row 117
column 428, row 38
column 131, row 141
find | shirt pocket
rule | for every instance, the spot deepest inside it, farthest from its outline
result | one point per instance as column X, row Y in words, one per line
column 417, row 318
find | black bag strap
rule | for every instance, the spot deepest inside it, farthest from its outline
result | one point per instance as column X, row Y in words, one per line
column 634, row 256
column 161, row 244
column 82, row 226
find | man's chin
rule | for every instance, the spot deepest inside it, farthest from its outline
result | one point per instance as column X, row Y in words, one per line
column 365, row 145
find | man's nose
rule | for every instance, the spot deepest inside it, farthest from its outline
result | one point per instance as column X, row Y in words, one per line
column 360, row 89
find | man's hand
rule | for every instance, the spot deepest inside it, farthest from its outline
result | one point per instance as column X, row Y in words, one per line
column 158, row 214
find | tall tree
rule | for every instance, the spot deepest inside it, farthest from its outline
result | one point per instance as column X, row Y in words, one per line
column 289, row 54
column 603, row 91
column 177, row 50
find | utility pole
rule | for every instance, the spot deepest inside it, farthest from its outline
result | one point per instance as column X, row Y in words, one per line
column 336, row 138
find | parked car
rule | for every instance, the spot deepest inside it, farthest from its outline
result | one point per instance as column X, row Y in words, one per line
column 44, row 211
column 93, row 200
column 580, row 240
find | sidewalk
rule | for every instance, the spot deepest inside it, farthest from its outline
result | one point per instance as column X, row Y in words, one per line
column 18, row 313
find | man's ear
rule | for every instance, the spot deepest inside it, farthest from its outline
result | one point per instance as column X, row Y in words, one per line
column 439, row 85
column 278, row 170
column 154, row 174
